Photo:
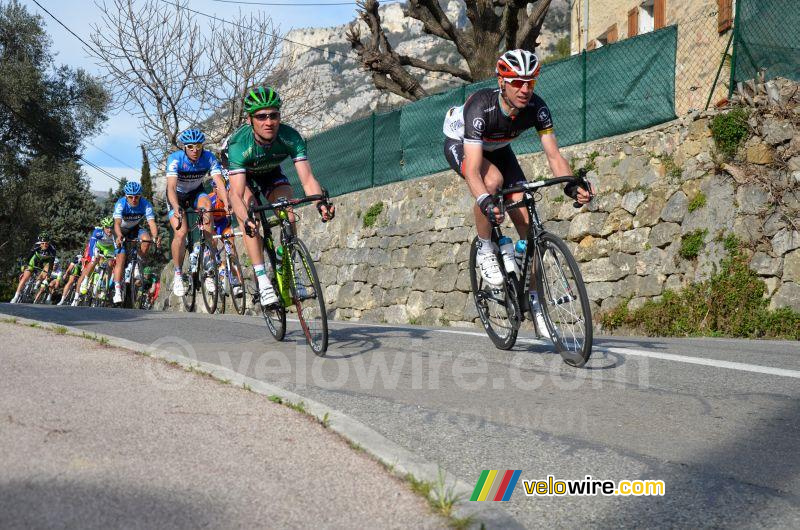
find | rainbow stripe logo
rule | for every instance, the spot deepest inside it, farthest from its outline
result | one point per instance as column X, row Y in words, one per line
column 496, row 485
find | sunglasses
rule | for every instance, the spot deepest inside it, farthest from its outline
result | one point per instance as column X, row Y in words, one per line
column 274, row 116
column 519, row 83
column 133, row 197
column 194, row 147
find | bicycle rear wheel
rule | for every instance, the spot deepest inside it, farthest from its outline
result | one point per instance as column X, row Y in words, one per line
column 134, row 288
column 208, row 278
column 492, row 304
column 308, row 298
column 563, row 298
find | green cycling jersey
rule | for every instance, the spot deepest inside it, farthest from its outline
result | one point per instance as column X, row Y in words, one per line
column 247, row 155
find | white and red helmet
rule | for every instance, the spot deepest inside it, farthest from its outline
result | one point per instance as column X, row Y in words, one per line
column 518, row 64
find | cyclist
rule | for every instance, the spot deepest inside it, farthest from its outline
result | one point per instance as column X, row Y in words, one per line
column 41, row 256
column 255, row 152
column 72, row 273
column 186, row 170
column 56, row 273
column 128, row 214
column 477, row 147
column 101, row 245
column 222, row 226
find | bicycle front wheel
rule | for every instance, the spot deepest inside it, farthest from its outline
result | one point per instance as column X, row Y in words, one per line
column 564, row 302
column 492, row 304
column 236, row 285
column 188, row 277
column 209, row 279
column 308, row 298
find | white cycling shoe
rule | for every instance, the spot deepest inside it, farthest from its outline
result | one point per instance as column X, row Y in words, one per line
column 267, row 296
column 117, row 296
column 178, row 287
column 490, row 269
column 76, row 300
column 15, row 299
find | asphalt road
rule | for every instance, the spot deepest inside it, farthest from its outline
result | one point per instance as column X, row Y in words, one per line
column 717, row 420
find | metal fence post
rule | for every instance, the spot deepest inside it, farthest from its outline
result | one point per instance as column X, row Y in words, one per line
column 584, row 55
column 372, row 151
column 735, row 38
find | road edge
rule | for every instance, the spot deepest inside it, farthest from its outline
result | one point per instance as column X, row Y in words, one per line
column 397, row 460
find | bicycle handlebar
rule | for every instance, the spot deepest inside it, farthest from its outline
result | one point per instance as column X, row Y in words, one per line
column 227, row 236
column 285, row 203
column 580, row 180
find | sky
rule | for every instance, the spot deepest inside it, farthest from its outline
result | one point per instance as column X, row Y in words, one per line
column 116, row 148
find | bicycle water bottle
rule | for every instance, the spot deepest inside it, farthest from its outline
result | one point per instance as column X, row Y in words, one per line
column 519, row 252
column 279, row 255
column 193, row 257
column 507, row 251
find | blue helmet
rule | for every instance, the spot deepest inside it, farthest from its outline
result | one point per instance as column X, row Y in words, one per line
column 192, row 136
column 133, row 188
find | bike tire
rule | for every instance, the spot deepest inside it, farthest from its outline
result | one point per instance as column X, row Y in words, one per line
column 134, row 289
column 563, row 299
column 189, row 282
column 311, row 306
column 235, row 271
column 492, row 305
column 274, row 316
column 207, row 270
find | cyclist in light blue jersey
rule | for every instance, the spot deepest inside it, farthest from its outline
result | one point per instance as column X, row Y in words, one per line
column 129, row 211
column 186, row 170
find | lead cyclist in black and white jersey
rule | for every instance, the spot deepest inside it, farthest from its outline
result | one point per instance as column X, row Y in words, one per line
column 478, row 147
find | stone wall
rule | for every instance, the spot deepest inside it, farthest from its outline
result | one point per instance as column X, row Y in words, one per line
column 412, row 265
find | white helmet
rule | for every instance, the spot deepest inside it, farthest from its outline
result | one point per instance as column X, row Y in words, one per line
column 518, row 64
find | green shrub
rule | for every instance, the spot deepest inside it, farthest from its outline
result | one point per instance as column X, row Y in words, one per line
column 692, row 243
column 730, row 303
column 371, row 216
column 729, row 129
column 698, row 201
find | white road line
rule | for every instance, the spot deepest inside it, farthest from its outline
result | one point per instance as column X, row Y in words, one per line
column 742, row 367
column 730, row 365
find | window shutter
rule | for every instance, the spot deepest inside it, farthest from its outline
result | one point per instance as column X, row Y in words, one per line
column 633, row 22
column 660, row 14
column 724, row 15
column 592, row 45
column 612, row 34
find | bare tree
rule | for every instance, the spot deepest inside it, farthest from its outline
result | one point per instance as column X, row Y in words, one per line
column 494, row 25
column 171, row 73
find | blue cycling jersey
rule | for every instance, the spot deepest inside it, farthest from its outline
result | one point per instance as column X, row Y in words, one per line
column 99, row 236
column 132, row 216
column 190, row 174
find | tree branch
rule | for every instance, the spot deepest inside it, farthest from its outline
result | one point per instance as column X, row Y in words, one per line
column 436, row 67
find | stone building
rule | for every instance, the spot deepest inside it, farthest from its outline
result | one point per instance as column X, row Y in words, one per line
column 704, row 28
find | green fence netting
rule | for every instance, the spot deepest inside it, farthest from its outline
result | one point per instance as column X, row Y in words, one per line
column 619, row 88
column 766, row 35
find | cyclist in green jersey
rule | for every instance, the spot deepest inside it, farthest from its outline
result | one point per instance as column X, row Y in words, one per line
column 41, row 256
column 255, row 152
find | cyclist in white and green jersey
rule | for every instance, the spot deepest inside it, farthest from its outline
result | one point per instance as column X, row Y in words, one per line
column 255, row 152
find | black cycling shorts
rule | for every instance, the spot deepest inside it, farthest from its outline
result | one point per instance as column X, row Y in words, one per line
column 504, row 159
column 266, row 183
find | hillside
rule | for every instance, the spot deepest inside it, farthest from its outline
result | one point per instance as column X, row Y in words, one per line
column 348, row 88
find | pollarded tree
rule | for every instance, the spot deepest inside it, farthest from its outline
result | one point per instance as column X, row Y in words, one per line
column 494, row 25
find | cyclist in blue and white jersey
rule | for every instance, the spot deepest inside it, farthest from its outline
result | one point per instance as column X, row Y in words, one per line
column 129, row 211
column 186, row 170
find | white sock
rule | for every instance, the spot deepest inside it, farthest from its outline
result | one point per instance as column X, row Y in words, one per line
column 261, row 276
column 486, row 246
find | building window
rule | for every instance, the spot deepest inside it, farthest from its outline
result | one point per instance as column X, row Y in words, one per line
column 646, row 21
column 609, row 36
column 633, row 22
column 651, row 15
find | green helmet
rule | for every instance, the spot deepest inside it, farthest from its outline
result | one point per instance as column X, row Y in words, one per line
column 261, row 98
column 107, row 222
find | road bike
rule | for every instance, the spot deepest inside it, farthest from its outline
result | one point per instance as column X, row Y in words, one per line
column 199, row 265
column 557, row 279
column 28, row 293
column 292, row 273
column 138, row 293
column 101, row 284
column 233, row 283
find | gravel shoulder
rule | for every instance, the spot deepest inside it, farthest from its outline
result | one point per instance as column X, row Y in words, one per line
column 95, row 437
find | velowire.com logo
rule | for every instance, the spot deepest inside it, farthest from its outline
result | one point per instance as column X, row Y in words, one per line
column 494, row 485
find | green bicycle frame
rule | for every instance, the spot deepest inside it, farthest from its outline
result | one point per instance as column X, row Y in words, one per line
column 283, row 274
